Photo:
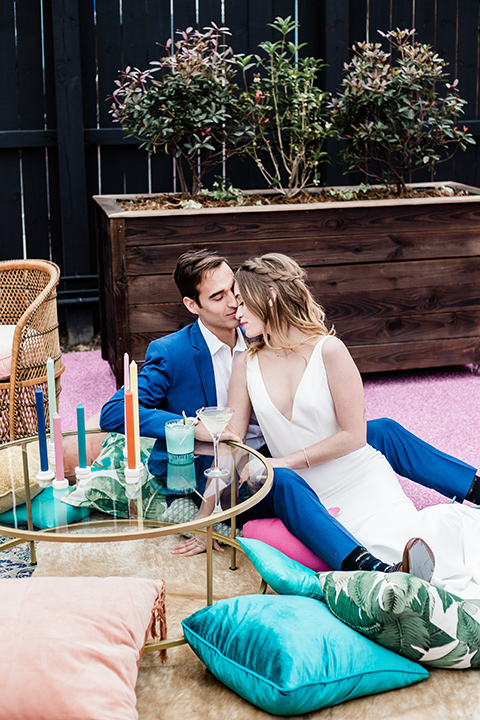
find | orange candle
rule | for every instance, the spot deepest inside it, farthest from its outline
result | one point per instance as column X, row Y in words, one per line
column 129, row 430
column 136, row 419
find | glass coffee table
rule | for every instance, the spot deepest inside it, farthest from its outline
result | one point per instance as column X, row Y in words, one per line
column 120, row 511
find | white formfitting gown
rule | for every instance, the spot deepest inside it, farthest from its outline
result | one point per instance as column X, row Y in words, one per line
column 373, row 506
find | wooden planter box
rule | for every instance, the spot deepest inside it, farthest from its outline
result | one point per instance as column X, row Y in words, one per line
column 400, row 279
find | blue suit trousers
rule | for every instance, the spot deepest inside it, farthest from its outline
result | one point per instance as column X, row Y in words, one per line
column 294, row 502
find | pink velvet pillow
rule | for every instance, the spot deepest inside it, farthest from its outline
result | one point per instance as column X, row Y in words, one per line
column 71, row 646
column 273, row 532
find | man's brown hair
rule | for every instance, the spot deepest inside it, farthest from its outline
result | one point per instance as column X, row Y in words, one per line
column 190, row 269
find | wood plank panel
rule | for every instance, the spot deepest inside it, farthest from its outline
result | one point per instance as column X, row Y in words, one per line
column 384, row 276
column 160, row 318
column 148, row 259
column 402, row 356
column 145, row 289
column 409, row 327
column 392, row 303
column 340, row 221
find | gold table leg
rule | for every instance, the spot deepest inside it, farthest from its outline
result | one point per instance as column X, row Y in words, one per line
column 209, row 566
column 28, row 500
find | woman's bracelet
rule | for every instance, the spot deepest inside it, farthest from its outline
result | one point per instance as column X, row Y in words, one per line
column 306, row 457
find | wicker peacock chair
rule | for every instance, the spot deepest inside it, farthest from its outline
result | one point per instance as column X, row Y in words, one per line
column 28, row 300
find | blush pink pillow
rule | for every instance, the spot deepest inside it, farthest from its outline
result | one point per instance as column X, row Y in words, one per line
column 6, row 341
column 273, row 532
column 71, row 646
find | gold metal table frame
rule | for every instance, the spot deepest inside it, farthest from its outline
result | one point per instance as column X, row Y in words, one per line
column 143, row 528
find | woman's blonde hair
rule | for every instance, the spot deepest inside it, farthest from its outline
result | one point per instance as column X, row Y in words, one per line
column 274, row 288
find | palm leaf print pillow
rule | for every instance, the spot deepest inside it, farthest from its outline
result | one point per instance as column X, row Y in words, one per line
column 407, row 615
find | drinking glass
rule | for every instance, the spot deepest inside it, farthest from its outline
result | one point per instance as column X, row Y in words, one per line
column 215, row 418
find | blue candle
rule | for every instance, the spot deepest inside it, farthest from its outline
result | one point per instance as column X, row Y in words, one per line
column 42, row 433
column 82, row 445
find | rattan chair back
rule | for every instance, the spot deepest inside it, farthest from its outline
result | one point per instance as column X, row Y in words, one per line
column 28, row 300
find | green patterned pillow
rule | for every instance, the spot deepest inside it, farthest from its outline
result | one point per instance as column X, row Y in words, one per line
column 184, row 510
column 406, row 615
column 107, row 490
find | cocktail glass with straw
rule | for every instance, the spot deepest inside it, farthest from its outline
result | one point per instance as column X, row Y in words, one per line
column 215, row 418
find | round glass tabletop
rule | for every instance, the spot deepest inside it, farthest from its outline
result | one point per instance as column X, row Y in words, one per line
column 104, row 504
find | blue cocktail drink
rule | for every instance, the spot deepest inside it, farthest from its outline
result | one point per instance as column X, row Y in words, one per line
column 180, row 438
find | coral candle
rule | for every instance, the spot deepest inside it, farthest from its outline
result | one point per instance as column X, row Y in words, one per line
column 136, row 419
column 129, row 430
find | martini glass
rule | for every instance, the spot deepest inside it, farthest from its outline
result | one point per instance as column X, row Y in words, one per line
column 215, row 418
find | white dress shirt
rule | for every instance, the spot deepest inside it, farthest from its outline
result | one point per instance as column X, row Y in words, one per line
column 223, row 359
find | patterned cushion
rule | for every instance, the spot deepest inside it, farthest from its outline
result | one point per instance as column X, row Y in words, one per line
column 107, row 490
column 184, row 510
column 406, row 615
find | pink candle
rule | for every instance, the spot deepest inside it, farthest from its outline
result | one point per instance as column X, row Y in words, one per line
column 126, row 386
column 57, row 436
column 126, row 372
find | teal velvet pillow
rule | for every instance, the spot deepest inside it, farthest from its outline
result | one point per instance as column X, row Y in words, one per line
column 48, row 511
column 284, row 575
column 289, row 655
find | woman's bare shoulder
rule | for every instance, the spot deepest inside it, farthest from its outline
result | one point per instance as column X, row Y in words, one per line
column 333, row 347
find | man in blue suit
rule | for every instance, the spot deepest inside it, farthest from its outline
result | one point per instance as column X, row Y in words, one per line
column 191, row 368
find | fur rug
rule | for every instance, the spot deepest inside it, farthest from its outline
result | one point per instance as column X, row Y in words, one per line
column 181, row 688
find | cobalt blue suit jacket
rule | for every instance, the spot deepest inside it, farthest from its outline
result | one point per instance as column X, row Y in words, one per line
column 177, row 375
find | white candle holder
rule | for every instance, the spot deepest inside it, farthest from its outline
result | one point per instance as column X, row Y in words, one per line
column 132, row 475
column 83, row 476
column 45, row 477
column 60, row 484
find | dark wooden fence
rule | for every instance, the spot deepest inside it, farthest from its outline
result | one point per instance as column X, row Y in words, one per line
column 58, row 145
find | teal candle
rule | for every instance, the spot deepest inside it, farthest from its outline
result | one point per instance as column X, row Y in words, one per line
column 82, row 443
column 42, row 433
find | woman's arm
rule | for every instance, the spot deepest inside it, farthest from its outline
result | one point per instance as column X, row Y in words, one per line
column 238, row 400
column 346, row 387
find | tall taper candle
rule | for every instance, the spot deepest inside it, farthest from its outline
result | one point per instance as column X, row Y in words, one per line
column 60, row 481
column 129, row 431
column 82, row 441
column 126, row 386
column 42, row 433
column 52, row 400
column 136, row 419
column 126, row 372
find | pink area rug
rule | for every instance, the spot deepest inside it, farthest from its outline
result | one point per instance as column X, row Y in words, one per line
column 87, row 380
column 442, row 406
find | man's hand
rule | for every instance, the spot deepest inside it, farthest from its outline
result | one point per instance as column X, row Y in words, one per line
column 194, row 546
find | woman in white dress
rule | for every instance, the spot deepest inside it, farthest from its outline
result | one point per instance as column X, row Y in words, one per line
column 307, row 395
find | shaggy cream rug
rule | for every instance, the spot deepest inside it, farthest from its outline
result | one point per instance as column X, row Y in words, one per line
column 181, row 689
